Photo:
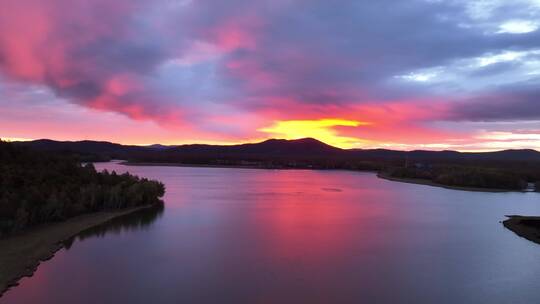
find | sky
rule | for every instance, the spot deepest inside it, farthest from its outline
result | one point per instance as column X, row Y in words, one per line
column 399, row 74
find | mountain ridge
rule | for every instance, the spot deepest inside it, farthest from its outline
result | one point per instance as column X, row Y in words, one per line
column 308, row 147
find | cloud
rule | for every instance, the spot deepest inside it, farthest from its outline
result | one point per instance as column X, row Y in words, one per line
column 518, row 27
column 90, row 53
column 231, row 67
column 322, row 129
column 501, row 105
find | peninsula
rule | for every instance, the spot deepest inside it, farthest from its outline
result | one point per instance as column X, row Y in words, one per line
column 47, row 198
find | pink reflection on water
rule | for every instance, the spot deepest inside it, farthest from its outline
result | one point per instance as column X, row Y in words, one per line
column 316, row 216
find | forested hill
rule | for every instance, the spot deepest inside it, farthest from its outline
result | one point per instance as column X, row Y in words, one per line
column 100, row 150
column 38, row 187
column 509, row 169
column 300, row 149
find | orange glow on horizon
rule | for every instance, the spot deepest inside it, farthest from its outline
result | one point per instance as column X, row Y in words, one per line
column 321, row 129
column 10, row 139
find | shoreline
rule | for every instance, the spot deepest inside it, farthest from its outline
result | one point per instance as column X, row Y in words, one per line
column 415, row 181
column 427, row 182
column 125, row 163
column 22, row 253
column 527, row 227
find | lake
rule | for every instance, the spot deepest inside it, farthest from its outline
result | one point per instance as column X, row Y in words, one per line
column 297, row 236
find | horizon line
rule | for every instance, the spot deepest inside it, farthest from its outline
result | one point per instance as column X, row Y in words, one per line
column 257, row 141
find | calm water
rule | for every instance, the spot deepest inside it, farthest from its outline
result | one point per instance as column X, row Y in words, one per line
column 267, row 236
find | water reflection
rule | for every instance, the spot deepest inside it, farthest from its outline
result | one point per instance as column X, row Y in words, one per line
column 136, row 221
column 266, row 236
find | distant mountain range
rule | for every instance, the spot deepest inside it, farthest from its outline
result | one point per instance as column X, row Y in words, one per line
column 272, row 148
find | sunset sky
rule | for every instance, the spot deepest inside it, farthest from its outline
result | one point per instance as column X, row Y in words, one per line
column 415, row 74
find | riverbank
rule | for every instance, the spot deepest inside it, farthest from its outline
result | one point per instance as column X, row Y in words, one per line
column 125, row 163
column 527, row 227
column 416, row 181
column 428, row 182
column 22, row 253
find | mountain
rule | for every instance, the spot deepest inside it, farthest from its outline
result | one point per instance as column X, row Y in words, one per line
column 298, row 149
column 509, row 155
column 159, row 147
column 423, row 155
column 509, row 169
column 307, row 147
column 197, row 153
column 88, row 149
column 86, row 146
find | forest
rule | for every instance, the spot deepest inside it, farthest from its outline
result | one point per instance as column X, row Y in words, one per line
column 467, row 176
column 508, row 169
column 39, row 187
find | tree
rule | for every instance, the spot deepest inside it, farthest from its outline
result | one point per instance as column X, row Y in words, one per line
column 37, row 188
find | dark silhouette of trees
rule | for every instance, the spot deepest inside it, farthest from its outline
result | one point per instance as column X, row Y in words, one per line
column 40, row 187
column 464, row 176
column 138, row 220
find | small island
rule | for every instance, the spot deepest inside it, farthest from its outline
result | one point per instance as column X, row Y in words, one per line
column 47, row 198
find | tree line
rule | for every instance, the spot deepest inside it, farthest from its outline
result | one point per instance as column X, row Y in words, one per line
column 41, row 187
column 465, row 176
